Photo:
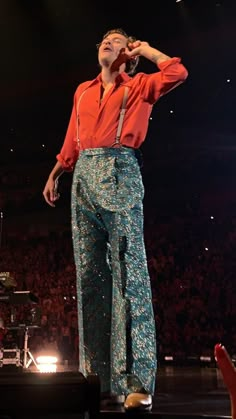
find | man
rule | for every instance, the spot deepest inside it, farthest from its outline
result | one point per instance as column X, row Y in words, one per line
column 108, row 124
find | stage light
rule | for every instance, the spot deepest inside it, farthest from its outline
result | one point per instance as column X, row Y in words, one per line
column 205, row 358
column 169, row 358
column 47, row 364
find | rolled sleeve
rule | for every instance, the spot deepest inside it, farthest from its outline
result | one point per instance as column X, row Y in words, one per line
column 172, row 73
column 69, row 152
column 66, row 162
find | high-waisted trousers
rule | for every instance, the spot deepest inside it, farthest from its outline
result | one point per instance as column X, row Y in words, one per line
column 117, row 334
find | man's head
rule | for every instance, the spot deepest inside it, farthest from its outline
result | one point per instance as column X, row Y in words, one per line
column 112, row 43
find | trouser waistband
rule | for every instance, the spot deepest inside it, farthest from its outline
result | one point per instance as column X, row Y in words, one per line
column 111, row 151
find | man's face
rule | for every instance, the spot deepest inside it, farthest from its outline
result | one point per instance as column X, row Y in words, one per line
column 110, row 47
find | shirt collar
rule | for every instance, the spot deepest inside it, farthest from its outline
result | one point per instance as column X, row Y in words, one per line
column 120, row 79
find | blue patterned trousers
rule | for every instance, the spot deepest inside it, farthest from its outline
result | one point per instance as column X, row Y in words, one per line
column 117, row 337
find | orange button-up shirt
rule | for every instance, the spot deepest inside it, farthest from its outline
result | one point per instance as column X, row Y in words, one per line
column 93, row 123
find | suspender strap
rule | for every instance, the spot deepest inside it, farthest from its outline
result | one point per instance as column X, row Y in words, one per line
column 121, row 119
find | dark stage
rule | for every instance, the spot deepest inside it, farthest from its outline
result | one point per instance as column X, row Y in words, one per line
column 181, row 392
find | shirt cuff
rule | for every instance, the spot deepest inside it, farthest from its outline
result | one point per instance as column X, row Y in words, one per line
column 66, row 165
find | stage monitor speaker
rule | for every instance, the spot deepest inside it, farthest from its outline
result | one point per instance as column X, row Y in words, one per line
column 28, row 394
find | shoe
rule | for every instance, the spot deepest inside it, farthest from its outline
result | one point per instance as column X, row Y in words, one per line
column 138, row 402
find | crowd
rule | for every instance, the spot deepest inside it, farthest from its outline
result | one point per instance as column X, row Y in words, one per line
column 191, row 264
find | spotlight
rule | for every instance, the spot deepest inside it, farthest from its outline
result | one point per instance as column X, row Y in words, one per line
column 169, row 358
column 47, row 364
column 204, row 358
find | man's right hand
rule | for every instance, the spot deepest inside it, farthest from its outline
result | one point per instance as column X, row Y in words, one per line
column 50, row 192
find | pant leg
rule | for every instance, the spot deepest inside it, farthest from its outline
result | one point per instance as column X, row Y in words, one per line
column 94, row 285
column 133, row 338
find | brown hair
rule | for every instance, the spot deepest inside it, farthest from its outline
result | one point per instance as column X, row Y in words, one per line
column 133, row 62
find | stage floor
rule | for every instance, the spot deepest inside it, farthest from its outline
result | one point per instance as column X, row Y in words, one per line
column 191, row 392
column 181, row 392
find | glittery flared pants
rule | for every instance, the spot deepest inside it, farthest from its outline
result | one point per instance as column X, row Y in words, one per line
column 116, row 324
